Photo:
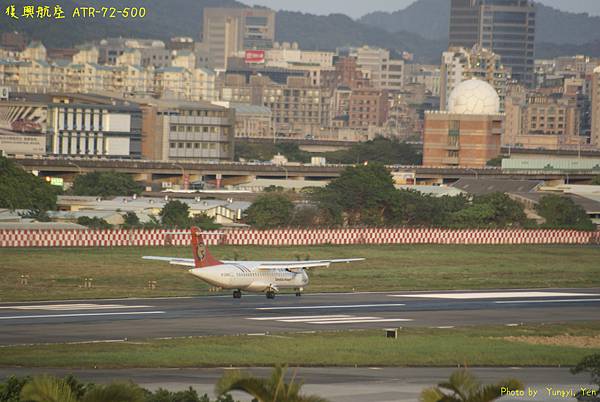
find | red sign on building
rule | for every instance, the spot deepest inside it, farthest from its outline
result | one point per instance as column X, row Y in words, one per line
column 255, row 56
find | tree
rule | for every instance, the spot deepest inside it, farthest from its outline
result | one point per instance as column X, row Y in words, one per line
column 265, row 390
column 590, row 364
column 204, row 222
column 48, row 389
column 360, row 196
column 596, row 181
column 131, row 220
column 10, row 391
column 175, row 214
column 22, row 190
column 382, row 150
column 94, row 223
column 490, row 210
column 270, row 210
column 117, row 391
column 464, row 387
column 562, row 213
column 106, row 184
column 495, row 162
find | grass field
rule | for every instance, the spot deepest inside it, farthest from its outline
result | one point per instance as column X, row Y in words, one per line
column 120, row 272
column 475, row 346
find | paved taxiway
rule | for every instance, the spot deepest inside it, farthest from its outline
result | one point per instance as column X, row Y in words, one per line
column 334, row 383
column 117, row 319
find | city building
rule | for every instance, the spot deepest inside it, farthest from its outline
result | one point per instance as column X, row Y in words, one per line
column 595, row 112
column 187, row 131
column 506, row 27
column 538, row 119
column 251, row 121
column 469, row 133
column 385, row 72
column 368, row 107
column 460, row 64
column 428, row 75
column 76, row 125
column 228, row 31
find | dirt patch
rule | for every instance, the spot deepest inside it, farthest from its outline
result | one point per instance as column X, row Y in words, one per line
column 558, row 340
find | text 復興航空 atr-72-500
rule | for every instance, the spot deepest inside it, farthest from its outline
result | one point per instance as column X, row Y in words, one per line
column 251, row 276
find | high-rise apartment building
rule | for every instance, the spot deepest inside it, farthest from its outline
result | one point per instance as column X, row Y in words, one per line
column 506, row 27
column 226, row 31
column 385, row 72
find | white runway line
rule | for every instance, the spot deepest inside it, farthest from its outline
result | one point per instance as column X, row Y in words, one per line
column 491, row 295
column 70, row 307
column 546, row 301
column 20, row 317
column 360, row 321
column 298, row 317
column 331, row 306
column 329, row 319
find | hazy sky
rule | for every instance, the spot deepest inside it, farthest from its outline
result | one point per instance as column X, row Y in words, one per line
column 357, row 8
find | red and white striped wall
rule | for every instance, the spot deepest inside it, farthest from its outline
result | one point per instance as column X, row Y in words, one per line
column 291, row 237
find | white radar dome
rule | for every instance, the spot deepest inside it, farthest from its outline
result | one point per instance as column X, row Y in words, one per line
column 474, row 97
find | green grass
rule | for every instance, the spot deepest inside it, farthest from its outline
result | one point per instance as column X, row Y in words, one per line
column 478, row 346
column 120, row 272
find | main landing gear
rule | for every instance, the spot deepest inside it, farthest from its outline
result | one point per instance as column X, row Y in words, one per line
column 270, row 294
column 299, row 292
column 237, row 294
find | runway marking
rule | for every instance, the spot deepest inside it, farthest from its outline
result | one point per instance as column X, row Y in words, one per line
column 20, row 317
column 331, row 306
column 70, row 307
column 297, row 317
column 360, row 321
column 547, row 301
column 491, row 295
column 329, row 319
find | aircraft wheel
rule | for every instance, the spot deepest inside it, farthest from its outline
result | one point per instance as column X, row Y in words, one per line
column 237, row 294
column 270, row 295
column 298, row 294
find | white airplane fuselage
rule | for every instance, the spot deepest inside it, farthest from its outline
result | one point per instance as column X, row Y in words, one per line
column 245, row 276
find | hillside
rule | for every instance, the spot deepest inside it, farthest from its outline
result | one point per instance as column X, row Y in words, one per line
column 429, row 18
column 421, row 28
column 336, row 30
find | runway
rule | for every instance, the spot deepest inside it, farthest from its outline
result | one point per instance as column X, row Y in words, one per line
column 118, row 319
column 337, row 384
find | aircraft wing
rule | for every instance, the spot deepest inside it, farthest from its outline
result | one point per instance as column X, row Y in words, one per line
column 266, row 265
column 187, row 262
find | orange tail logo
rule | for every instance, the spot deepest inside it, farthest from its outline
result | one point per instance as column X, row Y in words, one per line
column 202, row 257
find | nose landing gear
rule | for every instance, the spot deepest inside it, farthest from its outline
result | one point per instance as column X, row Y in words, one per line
column 237, row 294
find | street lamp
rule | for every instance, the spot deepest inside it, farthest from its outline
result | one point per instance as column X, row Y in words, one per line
column 76, row 165
column 474, row 171
column 182, row 174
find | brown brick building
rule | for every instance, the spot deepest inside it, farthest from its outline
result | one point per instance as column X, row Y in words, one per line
column 368, row 107
column 469, row 134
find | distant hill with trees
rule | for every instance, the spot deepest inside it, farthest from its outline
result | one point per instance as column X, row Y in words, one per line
column 421, row 28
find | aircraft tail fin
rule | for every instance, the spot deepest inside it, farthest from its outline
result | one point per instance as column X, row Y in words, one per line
column 202, row 256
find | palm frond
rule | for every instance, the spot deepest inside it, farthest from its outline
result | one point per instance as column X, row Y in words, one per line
column 47, row 389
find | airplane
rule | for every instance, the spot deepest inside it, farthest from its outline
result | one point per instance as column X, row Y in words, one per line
column 249, row 276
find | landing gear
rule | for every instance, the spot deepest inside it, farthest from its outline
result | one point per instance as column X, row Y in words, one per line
column 270, row 294
column 299, row 292
column 237, row 294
